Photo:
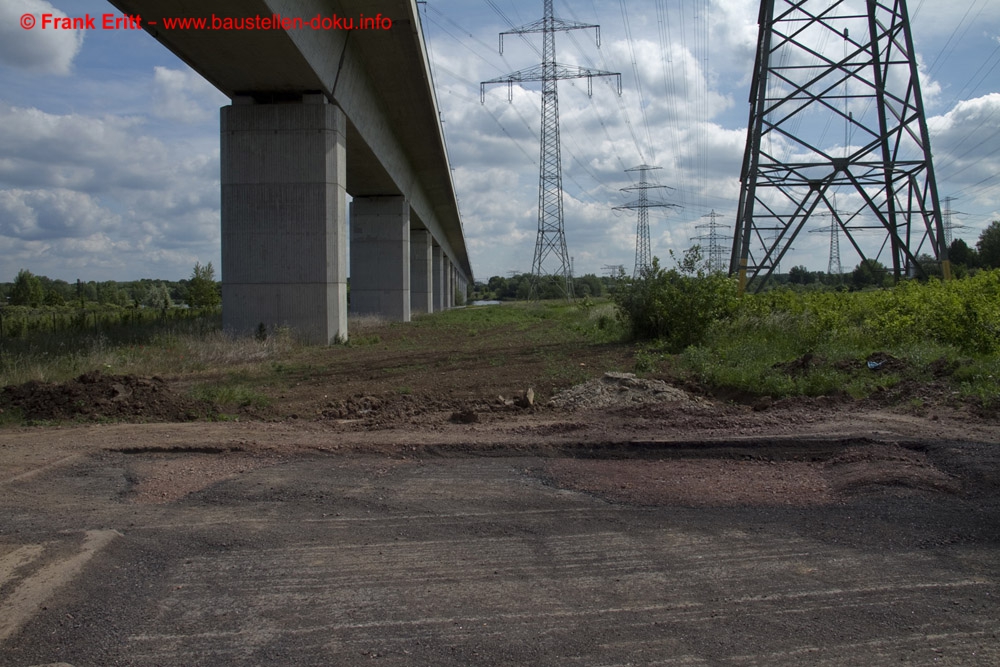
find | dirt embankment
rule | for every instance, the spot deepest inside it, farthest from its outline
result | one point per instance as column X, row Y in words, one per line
column 98, row 397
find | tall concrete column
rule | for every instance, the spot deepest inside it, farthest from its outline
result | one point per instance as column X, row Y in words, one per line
column 284, row 204
column 438, row 255
column 449, row 283
column 380, row 257
column 421, row 272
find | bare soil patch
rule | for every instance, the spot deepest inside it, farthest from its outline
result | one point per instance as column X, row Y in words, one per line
column 760, row 476
column 160, row 478
column 95, row 396
column 416, row 390
column 403, row 498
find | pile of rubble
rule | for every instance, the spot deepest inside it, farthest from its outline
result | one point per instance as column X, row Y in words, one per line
column 615, row 390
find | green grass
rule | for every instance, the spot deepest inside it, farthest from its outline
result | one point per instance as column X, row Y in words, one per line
column 169, row 351
column 748, row 353
column 231, row 394
column 751, row 354
column 11, row 417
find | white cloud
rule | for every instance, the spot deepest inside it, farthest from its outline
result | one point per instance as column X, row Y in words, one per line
column 77, row 152
column 52, row 213
column 184, row 96
column 133, row 185
column 966, row 145
column 41, row 50
column 104, row 190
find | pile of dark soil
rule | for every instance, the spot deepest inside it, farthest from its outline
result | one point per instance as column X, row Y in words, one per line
column 96, row 396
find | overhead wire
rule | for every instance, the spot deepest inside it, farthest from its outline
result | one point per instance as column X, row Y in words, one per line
column 693, row 23
column 944, row 49
column 585, row 191
column 462, row 43
column 510, row 24
column 638, row 79
column 597, row 107
column 669, row 80
column 966, row 91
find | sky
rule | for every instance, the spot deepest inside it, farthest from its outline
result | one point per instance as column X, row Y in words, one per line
column 109, row 145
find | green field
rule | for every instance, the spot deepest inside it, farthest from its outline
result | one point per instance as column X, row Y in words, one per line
column 943, row 336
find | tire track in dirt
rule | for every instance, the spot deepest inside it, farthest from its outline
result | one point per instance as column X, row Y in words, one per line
column 28, row 596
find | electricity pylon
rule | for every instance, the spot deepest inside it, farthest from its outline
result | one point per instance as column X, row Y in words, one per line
column 832, row 230
column 949, row 225
column 643, row 256
column 716, row 253
column 801, row 87
column 551, row 238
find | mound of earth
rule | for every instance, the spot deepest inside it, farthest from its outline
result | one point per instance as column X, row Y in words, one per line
column 96, row 396
column 615, row 390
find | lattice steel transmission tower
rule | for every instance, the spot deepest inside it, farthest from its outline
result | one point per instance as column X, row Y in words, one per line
column 833, row 265
column 643, row 257
column 822, row 63
column 949, row 224
column 832, row 231
column 716, row 251
column 551, row 239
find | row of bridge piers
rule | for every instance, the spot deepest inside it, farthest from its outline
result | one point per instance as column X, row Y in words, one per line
column 284, row 229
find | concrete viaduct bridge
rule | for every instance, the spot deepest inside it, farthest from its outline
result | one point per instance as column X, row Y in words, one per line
column 317, row 115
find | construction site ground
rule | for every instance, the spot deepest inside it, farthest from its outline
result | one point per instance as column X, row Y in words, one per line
column 436, row 515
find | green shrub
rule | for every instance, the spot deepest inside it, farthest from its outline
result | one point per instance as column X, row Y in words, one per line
column 678, row 305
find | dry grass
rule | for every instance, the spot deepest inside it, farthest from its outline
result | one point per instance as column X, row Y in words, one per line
column 168, row 354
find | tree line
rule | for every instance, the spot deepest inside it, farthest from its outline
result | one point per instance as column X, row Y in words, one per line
column 524, row 286
column 202, row 291
column 34, row 291
column 965, row 260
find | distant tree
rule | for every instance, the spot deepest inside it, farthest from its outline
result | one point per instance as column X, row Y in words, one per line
column 27, row 290
column 158, row 297
column 522, row 288
column 479, row 291
column 202, row 290
column 961, row 254
column 497, row 286
column 57, row 292
column 800, row 275
column 550, row 287
column 988, row 246
column 109, row 292
column 930, row 266
column 869, row 273
column 86, row 291
column 54, row 297
column 179, row 290
column 588, row 285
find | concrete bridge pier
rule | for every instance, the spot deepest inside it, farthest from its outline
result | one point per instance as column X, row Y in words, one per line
column 438, row 257
column 380, row 257
column 284, row 206
column 421, row 271
column 449, row 288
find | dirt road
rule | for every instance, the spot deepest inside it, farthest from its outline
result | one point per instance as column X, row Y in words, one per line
column 680, row 533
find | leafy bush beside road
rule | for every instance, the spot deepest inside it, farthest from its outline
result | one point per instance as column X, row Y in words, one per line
column 788, row 343
column 676, row 306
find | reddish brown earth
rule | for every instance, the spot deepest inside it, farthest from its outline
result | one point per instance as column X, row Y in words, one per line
column 435, row 516
column 624, row 438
